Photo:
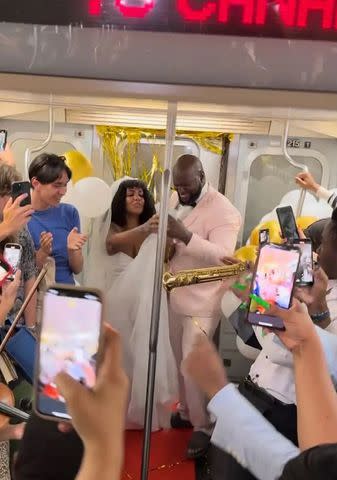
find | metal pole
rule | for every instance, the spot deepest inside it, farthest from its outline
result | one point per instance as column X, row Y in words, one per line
column 295, row 164
column 43, row 145
column 157, row 288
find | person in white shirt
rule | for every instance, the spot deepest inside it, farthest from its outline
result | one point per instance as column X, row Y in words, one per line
column 244, row 433
column 270, row 385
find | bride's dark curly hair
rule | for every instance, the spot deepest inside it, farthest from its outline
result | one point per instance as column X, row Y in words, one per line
column 118, row 205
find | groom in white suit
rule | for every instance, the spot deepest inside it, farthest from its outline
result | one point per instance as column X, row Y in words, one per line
column 204, row 227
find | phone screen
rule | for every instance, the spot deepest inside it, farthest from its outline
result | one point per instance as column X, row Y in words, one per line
column 69, row 340
column 273, row 282
column 264, row 236
column 305, row 270
column 3, row 139
column 12, row 255
column 287, row 223
column 5, row 270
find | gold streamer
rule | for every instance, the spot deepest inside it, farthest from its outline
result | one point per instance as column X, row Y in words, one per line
column 121, row 146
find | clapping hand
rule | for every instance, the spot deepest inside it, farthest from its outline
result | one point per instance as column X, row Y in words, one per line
column 76, row 240
column 46, row 243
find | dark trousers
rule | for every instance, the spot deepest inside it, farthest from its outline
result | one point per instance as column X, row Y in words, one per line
column 282, row 417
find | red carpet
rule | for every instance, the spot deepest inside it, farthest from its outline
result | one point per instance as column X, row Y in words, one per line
column 167, row 462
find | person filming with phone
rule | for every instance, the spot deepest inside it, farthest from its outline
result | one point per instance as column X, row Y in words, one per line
column 270, row 384
column 14, row 220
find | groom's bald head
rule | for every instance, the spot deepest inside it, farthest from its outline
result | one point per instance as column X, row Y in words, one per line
column 188, row 178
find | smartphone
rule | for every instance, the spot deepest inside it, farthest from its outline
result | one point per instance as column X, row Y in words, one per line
column 19, row 188
column 69, row 341
column 264, row 236
column 273, row 282
column 305, row 270
column 3, row 140
column 12, row 255
column 287, row 223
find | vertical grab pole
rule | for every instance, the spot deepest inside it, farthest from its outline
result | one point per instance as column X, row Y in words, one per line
column 303, row 167
column 157, row 288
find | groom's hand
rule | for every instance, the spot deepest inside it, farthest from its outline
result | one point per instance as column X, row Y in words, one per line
column 177, row 230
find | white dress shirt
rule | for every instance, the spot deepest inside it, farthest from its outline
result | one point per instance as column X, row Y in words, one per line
column 244, row 433
column 181, row 211
column 273, row 368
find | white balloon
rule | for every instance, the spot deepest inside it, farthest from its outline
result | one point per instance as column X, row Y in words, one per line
column 92, row 197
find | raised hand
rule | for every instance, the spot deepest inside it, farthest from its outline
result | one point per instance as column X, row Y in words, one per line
column 299, row 328
column 205, row 367
column 76, row 240
column 307, row 181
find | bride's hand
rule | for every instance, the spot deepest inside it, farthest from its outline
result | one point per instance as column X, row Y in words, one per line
column 152, row 225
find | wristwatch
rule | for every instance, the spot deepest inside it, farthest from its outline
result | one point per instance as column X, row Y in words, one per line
column 320, row 317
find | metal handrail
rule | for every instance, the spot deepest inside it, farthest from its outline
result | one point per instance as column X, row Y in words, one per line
column 295, row 164
column 43, row 145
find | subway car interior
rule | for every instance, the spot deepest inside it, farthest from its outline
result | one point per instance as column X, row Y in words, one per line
column 121, row 92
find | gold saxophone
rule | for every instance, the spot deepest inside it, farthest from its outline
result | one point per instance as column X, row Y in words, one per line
column 202, row 275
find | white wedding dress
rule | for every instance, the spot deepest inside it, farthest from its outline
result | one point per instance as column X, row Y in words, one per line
column 128, row 285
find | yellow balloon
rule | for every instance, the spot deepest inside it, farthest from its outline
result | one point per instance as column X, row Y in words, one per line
column 79, row 165
column 248, row 253
column 274, row 232
column 305, row 222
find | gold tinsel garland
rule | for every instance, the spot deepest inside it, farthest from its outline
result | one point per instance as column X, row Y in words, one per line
column 121, row 144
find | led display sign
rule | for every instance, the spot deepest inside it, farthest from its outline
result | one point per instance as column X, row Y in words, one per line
column 307, row 19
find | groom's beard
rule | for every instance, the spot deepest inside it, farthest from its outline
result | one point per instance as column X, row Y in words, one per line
column 193, row 199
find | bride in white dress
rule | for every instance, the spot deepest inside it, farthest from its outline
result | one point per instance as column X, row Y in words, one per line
column 121, row 262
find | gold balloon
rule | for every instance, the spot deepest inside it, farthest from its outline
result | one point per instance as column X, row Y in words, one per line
column 248, row 253
column 305, row 222
column 79, row 165
column 274, row 232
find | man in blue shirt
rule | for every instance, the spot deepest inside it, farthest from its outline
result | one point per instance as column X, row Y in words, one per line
column 55, row 226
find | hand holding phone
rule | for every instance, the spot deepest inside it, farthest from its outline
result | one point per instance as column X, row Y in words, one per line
column 15, row 217
column 273, row 283
column 69, row 340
